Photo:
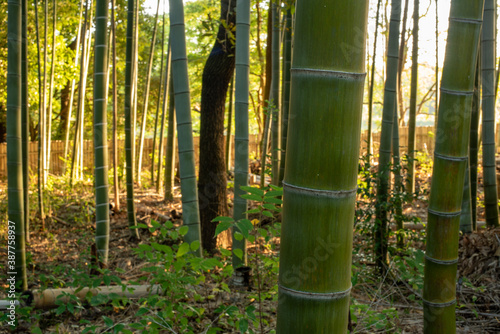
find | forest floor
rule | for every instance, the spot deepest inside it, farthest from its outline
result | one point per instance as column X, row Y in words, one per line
column 199, row 297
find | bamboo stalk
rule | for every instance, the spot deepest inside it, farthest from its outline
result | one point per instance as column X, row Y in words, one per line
column 412, row 120
column 242, row 67
column 321, row 173
column 25, row 116
column 129, row 130
column 16, row 265
column 51, row 298
column 146, row 95
column 381, row 237
column 171, row 147
column 40, row 126
column 285, row 101
column 189, row 190
column 116, row 185
column 275, row 87
column 450, row 159
column 100, row 131
column 372, row 81
column 488, row 104
column 51, row 84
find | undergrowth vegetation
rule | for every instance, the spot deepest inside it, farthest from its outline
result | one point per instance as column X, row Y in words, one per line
column 199, row 295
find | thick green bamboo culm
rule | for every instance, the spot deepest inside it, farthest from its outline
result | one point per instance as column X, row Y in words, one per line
column 241, row 93
column 129, row 131
column 25, row 116
column 321, row 174
column 170, row 150
column 390, row 98
column 488, row 104
column 285, row 93
column 15, row 197
column 189, row 189
column 100, row 131
column 410, row 178
column 275, row 87
column 450, row 160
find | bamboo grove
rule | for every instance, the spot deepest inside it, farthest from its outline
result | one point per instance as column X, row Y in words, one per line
column 214, row 104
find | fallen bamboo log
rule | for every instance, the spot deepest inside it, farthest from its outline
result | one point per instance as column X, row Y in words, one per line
column 46, row 299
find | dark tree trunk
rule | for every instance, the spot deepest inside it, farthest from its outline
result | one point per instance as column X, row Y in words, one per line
column 217, row 74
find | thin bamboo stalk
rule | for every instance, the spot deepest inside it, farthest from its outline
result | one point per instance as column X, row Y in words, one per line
column 275, row 87
column 146, row 95
column 163, row 82
column 51, row 84
column 412, row 120
column 488, row 104
column 40, row 126
column 25, row 116
column 16, row 230
column 242, row 67
column 116, row 185
column 44, row 92
column 162, row 124
column 101, row 132
column 229, row 126
column 473, row 144
column 129, row 131
column 189, row 190
column 72, row 93
column 285, row 101
column 381, row 237
column 372, row 81
column 171, row 147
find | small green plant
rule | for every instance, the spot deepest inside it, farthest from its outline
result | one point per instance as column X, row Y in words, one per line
column 259, row 231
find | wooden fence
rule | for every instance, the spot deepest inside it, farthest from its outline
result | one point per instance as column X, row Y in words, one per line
column 425, row 142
